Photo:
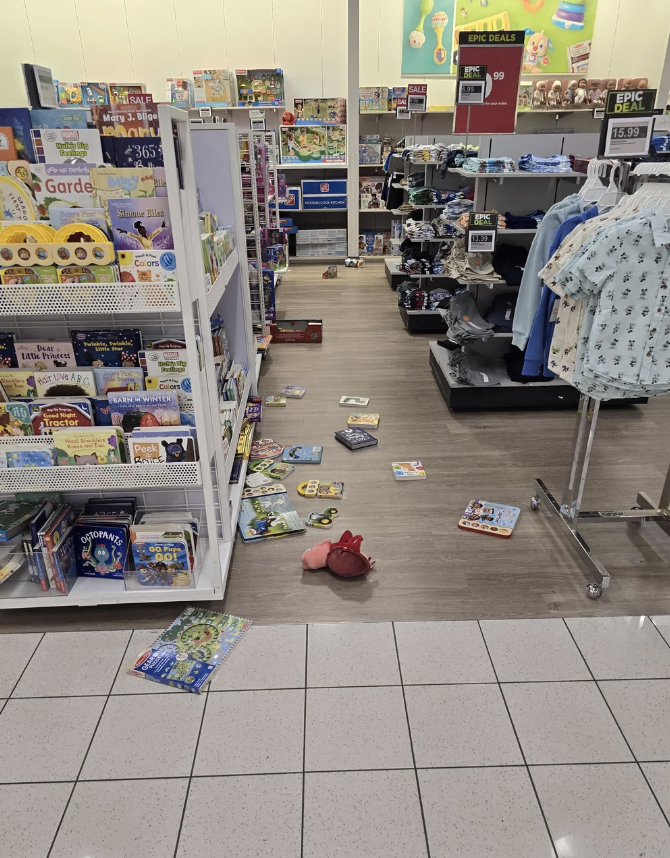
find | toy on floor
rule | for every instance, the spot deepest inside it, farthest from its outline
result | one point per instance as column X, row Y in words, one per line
column 343, row 557
column 322, row 519
column 354, row 262
column 330, row 272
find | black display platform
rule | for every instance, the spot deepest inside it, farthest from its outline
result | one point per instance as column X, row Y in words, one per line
column 422, row 321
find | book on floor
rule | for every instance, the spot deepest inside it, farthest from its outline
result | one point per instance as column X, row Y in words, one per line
column 361, row 419
column 188, row 654
column 354, row 401
column 408, row 470
column 294, row 392
column 302, row 455
column 268, row 513
column 355, row 439
column 275, row 401
column 492, row 519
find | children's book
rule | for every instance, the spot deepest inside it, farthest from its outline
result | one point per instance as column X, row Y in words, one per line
column 163, row 447
column 8, row 357
column 141, row 224
column 15, row 419
column 51, row 535
column 266, row 448
column 102, row 411
column 147, row 266
column 64, row 559
column 127, row 120
column 302, row 455
column 275, row 401
column 161, row 555
column 34, row 457
column 360, row 419
column 138, row 152
column 493, row 519
column 18, row 383
column 14, row 517
column 278, row 470
column 408, row 471
column 354, row 401
column 111, row 378
column 47, row 355
column 188, row 654
column 268, row 514
column 121, row 183
column 101, row 547
column 64, row 382
column 257, row 479
column 18, row 119
column 161, row 362
column 181, row 384
column 61, row 216
column 135, row 409
column 107, row 347
column 74, row 117
column 331, row 491
column 57, row 145
column 93, row 446
column 254, row 409
column 294, row 392
column 355, row 439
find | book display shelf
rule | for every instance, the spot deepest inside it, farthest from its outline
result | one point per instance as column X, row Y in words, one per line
column 202, row 174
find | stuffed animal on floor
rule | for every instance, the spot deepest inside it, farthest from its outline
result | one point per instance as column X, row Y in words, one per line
column 343, row 557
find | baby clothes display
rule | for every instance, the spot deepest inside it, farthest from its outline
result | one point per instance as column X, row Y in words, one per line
column 489, row 165
column 552, row 164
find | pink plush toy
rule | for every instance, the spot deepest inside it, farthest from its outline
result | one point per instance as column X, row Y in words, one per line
column 316, row 556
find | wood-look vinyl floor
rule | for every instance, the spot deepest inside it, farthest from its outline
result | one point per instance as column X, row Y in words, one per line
column 426, row 568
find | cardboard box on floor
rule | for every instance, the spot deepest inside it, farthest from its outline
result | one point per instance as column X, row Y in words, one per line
column 297, row 331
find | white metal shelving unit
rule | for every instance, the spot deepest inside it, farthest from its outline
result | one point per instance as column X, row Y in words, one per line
column 202, row 164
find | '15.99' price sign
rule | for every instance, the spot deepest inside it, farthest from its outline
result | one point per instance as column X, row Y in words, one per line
column 628, row 137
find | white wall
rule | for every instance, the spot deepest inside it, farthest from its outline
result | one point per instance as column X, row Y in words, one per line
column 150, row 40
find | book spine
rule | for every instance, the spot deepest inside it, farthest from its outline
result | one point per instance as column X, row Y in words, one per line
column 51, row 578
column 41, row 569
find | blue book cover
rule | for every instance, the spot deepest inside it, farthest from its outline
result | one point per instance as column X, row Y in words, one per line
column 109, row 378
column 69, row 117
column 7, row 351
column 267, row 516
column 102, row 411
column 18, row 119
column 142, row 152
column 302, row 455
column 141, row 224
column 161, row 562
column 191, row 650
column 143, row 409
column 107, row 347
column 30, row 458
column 101, row 549
column 63, row 558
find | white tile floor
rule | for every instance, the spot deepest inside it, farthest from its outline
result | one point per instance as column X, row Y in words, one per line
column 528, row 738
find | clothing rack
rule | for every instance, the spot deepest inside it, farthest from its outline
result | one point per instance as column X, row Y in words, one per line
column 570, row 512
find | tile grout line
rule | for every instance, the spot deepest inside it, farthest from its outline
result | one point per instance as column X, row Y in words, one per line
column 32, row 655
column 190, row 776
column 90, row 744
column 667, row 643
column 632, row 753
column 304, row 746
column 411, row 743
column 516, row 736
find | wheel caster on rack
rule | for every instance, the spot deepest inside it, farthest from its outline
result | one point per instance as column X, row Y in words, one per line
column 535, row 502
column 635, row 525
column 594, row 591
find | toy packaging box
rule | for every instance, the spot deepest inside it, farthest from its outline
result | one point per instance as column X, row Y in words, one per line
column 179, row 92
column 369, row 153
column 139, row 409
column 127, row 120
column 45, row 355
column 324, row 111
column 374, row 97
column 313, row 144
column 119, row 347
column 121, row 93
column 258, row 87
column 141, row 224
column 69, row 94
column 371, row 243
column 92, row 446
column 147, row 266
column 188, row 654
column 88, row 274
column 213, row 88
column 46, row 415
column 93, row 94
column 395, row 93
column 57, row 145
column 297, row 331
column 65, row 382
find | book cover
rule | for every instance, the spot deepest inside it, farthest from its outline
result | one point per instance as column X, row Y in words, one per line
column 57, row 145
column 354, row 401
column 7, row 144
column 8, row 356
column 162, row 362
column 61, row 186
column 294, row 392
column 18, row 119
column 159, row 449
column 135, row 409
column 112, row 378
column 278, row 470
column 102, row 411
column 492, row 519
column 147, row 266
column 54, row 355
column 266, row 448
column 141, row 224
column 48, row 414
column 127, row 120
column 107, row 347
column 61, row 216
column 302, row 455
column 267, row 515
column 408, row 470
column 118, row 183
column 181, row 384
column 18, row 383
column 360, row 419
column 54, row 531
column 356, row 438
column 63, row 558
column 64, row 382
column 75, row 117
column 101, row 549
column 15, row 419
column 275, row 401
column 161, row 557
column 92, row 446
column 14, row 518
column 33, row 458
column 137, row 152
column 254, row 409
column 188, row 654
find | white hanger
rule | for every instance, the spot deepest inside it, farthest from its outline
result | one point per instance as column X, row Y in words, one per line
column 593, row 188
column 613, row 192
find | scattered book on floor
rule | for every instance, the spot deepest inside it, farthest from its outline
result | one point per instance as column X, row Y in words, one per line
column 267, row 513
column 294, row 392
column 493, row 519
column 266, row 448
column 361, row 419
column 408, row 470
column 354, row 401
column 190, row 652
column 355, row 439
column 275, row 401
column 302, row 455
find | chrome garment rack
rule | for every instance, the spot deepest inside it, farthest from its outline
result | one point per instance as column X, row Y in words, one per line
column 570, row 513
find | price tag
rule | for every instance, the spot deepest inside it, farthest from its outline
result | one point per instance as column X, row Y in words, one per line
column 257, row 120
column 417, row 97
column 482, row 232
column 471, row 92
column 204, row 112
column 401, row 111
column 628, row 137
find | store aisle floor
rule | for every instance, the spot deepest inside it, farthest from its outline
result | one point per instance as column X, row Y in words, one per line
column 524, row 738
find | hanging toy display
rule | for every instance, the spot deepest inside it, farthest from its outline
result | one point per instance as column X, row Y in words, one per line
column 570, row 14
column 439, row 21
column 417, row 37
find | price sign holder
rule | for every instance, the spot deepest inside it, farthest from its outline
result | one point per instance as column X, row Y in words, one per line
column 257, row 120
column 417, row 97
column 482, row 232
column 401, row 111
column 471, row 85
column 629, row 121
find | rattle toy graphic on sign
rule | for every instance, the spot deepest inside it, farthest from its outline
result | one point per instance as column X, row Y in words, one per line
column 417, row 37
column 439, row 21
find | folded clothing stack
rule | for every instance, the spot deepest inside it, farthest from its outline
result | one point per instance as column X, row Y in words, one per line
column 418, row 230
column 444, row 195
column 464, row 322
column 422, row 196
column 475, row 370
column 660, row 143
column 444, row 229
column 413, row 297
column 456, row 207
column 501, row 313
column 470, row 267
column 489, row 165
column 529, row 221
column 422, row 152
column 414, row 180
column 457, row 153
column 509, row 261
column 552, row 164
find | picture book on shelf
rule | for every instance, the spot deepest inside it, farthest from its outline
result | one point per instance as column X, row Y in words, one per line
column 68, row 413
column 408, row 470
column 354, row 401
column 361, row 419
column 127, row 120
column 75, row 117
column 135, row 409
column 162, row 362
column 162, row 446
column 121, row 183
column 101, row 547
column 91, row 446
column 355, row 439
column 141, row 224
column 302, row 455
column 45, row 355
column 14, row 517
column 18, row 119
column 269, row 514
column 15, row 419
column 138, row 152
column 61, row 216
column 112, row 378
column 492, row 519
column 61, row 185
column 8, row 357
column 188, row 653
column 65, row 382
column 107, row 347
column 31, row 457
column 161, row 555
column 18, row 383
column 57, row 145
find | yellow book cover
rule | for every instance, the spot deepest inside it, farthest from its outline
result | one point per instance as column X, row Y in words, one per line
column 121, row 183
column 360, row 419
column 103, row 445
column 18, row 382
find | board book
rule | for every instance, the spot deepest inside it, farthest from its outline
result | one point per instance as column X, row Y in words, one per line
column 45, row 355
column 163, row 446
column 18, row 383
column 354, row 401
column 15, row 420
column 188, row 654
column 101, row 547
column 112, row 378
column 8, row 357
column 302, row 455
column 355, row 439
column 135, row 409
column 107, row 347
column 93, row 446
column 268, row 514
column 266, row 448
column 24, row 456
column 492, row 519
column 360, row 419
column 141, row 224
column 161, row 554
column 408, row 470
column 65, row 382
column 161, row 362
column 275, row 401
column 294, row 392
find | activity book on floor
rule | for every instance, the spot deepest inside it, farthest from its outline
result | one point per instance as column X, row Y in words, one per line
column 493, row 519
column 268, row 514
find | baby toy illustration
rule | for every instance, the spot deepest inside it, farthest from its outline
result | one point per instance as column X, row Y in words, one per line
column 146, row 241
column 535, row 54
